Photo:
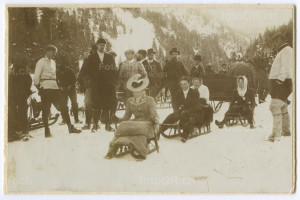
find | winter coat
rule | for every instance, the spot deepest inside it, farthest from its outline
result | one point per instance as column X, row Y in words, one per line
column 84, row 79
column 136, row 132
column 173, row 71
column 248, row 102
column 45, row 74
column 155, row 73
column 186, row 104
column 197, row 71
column 65, row 78
column 282, row 71
column 103, row 79
column 283, row 64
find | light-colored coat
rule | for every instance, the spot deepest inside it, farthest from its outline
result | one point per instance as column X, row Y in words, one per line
column 283, row 64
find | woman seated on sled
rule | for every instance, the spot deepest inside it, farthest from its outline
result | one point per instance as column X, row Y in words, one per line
column 204, row 99
column 242, row 103
column 144, row 126
column 185, row 103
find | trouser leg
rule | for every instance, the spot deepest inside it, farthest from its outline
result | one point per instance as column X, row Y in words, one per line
column 96, row 116
column 58, row 99
column 46, row 105
column 88, row 115
column 22, row 112
column 275, row 108
column 285, row 120
column 73, row 98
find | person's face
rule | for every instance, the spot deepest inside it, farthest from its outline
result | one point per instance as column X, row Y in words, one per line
column 174, row 55
column 184, row 85
column 277, row 43
column 137, row 94
column 101, row 47
column 150, row 56
column 196, row 83
column 129, row 56
column 241, row 83
column 50, row 54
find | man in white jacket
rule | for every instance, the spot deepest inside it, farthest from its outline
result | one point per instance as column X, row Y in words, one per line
column 281, row 87
column 46, row 82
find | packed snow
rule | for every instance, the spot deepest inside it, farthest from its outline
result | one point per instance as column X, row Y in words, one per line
column 232, row 159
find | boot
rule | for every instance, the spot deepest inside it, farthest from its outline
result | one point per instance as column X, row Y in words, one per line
column 47, row 133
column 109, row 128
column 95, row 128
column 109, row 155
column 72, row 129
column 219, row 124
column 251, row 126
column 62, row 122
column 286, row 133
column 86, row 127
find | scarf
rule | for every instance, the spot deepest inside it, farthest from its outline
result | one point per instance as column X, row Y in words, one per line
column 242, row 91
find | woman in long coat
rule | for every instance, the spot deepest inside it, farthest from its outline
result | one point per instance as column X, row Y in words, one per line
column 144, row 126
column 243, row 102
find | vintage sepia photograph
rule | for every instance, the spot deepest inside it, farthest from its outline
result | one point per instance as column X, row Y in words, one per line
column 150, row 99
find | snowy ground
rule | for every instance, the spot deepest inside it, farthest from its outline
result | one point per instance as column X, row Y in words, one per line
column 232, row 159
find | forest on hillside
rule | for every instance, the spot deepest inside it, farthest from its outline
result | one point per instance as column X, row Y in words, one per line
column 75, row 30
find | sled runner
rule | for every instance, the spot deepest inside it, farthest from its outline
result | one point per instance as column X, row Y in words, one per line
column 123, row 149
column 34, row 112
column 237, row 119
column 175, row 131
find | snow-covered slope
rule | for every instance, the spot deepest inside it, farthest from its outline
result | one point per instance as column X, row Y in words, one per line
column 234, row 159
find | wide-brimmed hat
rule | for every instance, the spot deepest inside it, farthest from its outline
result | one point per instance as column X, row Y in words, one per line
column 151, row 51
column 174, row 50
column 137, row 83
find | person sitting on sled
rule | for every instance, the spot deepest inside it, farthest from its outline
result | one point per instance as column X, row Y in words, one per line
column 204, row 99
column 243, row 102
column 144, row 126
column 186, row 103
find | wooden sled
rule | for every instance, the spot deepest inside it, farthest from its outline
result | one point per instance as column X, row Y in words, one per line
column 123, row 149
column 174, row 130
column 237, row 119
column 34, row 123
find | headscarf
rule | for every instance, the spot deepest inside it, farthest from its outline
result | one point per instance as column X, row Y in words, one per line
column 242, row 91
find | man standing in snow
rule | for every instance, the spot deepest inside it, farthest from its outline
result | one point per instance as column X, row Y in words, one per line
column 197, row 70
column 153, row 69
column 46, row 82
column 173, row 71
column 281, row 87
column 101, row 68
column 66, row 80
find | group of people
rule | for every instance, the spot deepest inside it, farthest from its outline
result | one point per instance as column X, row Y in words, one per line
column 141, row 80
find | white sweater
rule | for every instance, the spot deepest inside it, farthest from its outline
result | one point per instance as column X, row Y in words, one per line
column 283, row 64
column 45, row 74
column 204, row 92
